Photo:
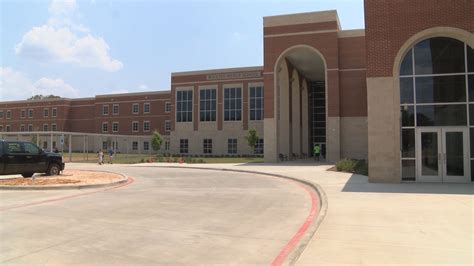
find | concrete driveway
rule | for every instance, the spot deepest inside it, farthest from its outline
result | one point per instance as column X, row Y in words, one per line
column 168, row 216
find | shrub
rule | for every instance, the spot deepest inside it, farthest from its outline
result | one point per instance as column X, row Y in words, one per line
column 200, row 160
column 352, row 166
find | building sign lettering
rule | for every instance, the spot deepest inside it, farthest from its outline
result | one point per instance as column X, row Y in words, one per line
column 243, row 75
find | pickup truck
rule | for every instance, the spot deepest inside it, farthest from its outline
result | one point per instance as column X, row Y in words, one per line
column 25, row 158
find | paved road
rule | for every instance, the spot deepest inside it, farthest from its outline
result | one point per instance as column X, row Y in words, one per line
column 172, row 216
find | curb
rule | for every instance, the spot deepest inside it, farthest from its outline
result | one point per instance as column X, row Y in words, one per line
column 321, row 214
column 69, row 187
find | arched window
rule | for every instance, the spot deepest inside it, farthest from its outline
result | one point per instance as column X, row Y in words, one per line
column 436, row 90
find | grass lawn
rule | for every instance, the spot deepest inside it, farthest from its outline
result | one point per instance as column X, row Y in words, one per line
column 140, row 158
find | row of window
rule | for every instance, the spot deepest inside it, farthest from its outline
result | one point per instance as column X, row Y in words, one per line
column 207, row 146
column 135, row 126
column 29, row 127
column 29, row 112
column 146, row 145
column 135, row 108
column 208, row 104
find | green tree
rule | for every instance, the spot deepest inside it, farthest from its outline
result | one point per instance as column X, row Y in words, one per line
column 252, row 138
column 41, row 97
column 156, row 141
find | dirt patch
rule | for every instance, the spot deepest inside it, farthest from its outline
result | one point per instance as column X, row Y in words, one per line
column 67, row 177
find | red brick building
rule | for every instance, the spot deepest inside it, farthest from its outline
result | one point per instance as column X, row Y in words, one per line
column 398, row 93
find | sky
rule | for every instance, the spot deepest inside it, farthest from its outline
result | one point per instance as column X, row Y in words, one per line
column 74, row 48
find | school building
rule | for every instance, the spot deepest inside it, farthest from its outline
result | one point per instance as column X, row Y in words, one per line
column 399, row 93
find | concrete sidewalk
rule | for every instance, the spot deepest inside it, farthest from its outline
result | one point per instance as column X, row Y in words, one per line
column 376, row 224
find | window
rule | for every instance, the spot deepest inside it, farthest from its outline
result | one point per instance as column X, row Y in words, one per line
column 184, row 106
column 1, row 114
column 232, row 104
column 22, row 128
column 146, row 146
column 30, row 127
column 433, row 92
column 23, row 113
column 45, row 145
column 146, row 126
column 167, row 126
column 105, row 145
column 207, row 146
column 7, row 128
column 30, row 148
column 14, row 147
column 54, row 144
column 1, row 128
column 45, row 127
column 183, row 146
column 30, row 113
column 9, row 114
column 146, row 108
column 135, row 126
column 115, row 127
column 54, row 112
column 115, row 109
column 105, row 109
column 167, row 107
column 167, row 145
column 45, row 112
column 54, row 127
column 105, row 126
column 134, row 145
column 135, row 108
column 232, row 146
column 207, row 105
column 256, row 103
column 259, row 146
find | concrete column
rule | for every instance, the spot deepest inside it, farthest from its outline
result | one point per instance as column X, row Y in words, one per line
column 283, row 112
column 305, row 119
column 296, row 115
column 70, row 148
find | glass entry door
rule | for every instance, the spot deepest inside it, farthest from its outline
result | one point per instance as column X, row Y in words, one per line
column 442, row 155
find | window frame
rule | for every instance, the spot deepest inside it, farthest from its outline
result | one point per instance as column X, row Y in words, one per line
column 167, row 125
column 144, row 108
column 23, row 113
column 184, row 146
column 45, row 112
column 137, row 107
column 180, row 114
column 115, row 123
column 234, row 146
column 207, row 146
column 47, row 127
column 105, row 109
column 206, row 111
column 106, row 124
column 54, row 112
column 147, row 122
column 228, row 87
column 167, row 107
column 261, row 98
column 138, row 126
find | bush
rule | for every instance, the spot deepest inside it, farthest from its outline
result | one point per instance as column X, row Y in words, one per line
column 352, row 166
column 200, row 160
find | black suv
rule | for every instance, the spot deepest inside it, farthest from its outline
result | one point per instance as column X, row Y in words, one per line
column 25, row 158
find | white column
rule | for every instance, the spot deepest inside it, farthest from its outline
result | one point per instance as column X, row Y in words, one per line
column 51, row 143
column 70, row 148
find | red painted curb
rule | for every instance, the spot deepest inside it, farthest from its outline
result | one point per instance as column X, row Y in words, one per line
column 129, row 181
column 303, row 228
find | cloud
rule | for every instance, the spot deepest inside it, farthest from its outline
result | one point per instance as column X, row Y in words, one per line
column 15, row 85
column 62, row 40
column 143, row 87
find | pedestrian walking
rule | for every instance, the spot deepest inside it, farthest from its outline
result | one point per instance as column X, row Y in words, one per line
column 100, row 155
column 111, row 155
column 317, row 152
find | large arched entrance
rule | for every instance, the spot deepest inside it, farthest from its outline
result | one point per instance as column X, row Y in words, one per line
column 437, row 109
column 300, row 89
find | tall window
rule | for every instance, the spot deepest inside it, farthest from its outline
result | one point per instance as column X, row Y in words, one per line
column 30, row 113
column 105, row 127
column 167, row 145
column 232, row 146
column 167, row 126
column 1, row 114
column 256, row 103
column 135, row 126
column 45, row 127
column 167, row 107
column 134, row 145
column 23, row 113
column 7, row 128
column 54, row 112
column 184, row 106
column 115, row 127
column 232, row 104
column 54, row 127
column 259, row 146
column 146, row 108
column 207, row 105
column 146, row 126
column 45, row 112
column 115, row 109
column 135, row 108
column 146, row 145
column 30, row 127
column 436, row 90
column 207, row 146
column 22, row 128
column 9, row 114
column 183, row 146
column 105, row 110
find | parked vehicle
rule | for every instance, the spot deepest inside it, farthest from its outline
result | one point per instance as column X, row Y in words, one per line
column 25, row 158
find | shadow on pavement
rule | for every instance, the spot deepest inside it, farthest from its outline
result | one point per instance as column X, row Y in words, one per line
column 359, row 183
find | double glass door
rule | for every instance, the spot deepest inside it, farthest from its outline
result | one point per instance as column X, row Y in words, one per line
column 442, row 154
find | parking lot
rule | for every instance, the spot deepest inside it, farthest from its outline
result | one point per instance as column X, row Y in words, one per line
column 178, row 216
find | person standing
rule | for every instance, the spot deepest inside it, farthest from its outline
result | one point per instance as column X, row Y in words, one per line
column 111, row 155
column 100, row 154
column 317, row 152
